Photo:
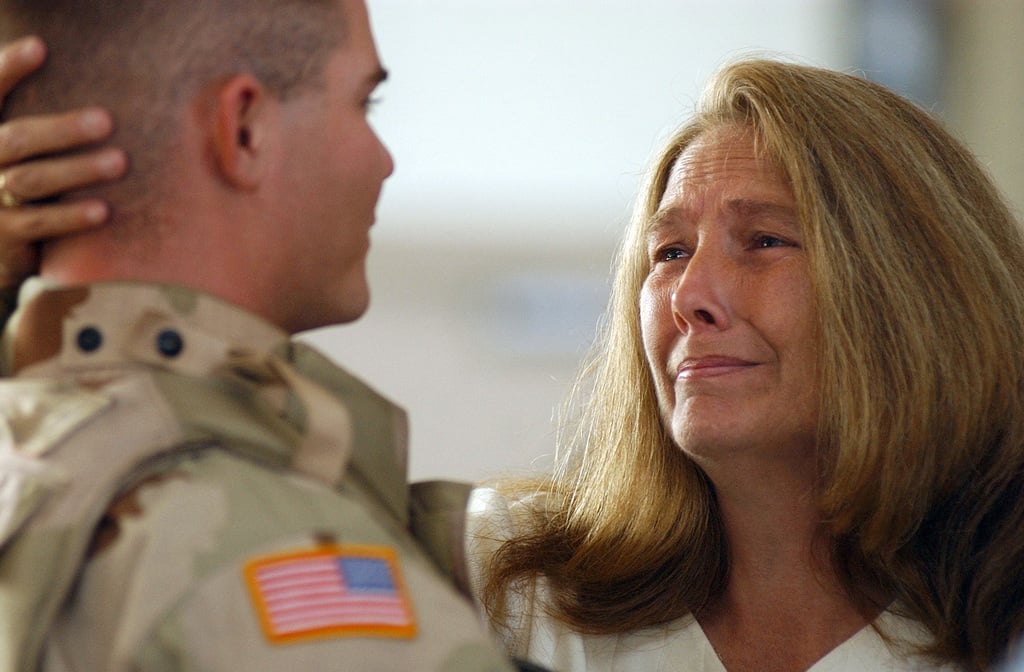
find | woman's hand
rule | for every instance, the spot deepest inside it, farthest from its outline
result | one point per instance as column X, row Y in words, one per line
column 32, row 168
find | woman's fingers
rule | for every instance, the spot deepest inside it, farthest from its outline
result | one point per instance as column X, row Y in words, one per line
column 35, row 166
column 44, row 178
column 23, row 226
column 21, row 229
column 34, row 136
column 18, row 59
column 28, row 225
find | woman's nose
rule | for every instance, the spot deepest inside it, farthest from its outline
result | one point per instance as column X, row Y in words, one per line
column 699, row 297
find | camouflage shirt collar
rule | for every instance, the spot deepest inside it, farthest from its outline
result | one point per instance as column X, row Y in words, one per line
column 182, row 331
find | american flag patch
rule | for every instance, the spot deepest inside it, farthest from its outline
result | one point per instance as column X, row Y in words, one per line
column 330, row 591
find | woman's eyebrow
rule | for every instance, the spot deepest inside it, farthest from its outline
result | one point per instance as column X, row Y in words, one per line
column 756, row 208
column 662, row 219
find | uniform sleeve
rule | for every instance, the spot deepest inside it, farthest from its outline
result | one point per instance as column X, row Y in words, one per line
column 173, row 591
column 214, row 629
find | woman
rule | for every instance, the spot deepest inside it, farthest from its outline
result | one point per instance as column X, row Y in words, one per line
column 803, row 445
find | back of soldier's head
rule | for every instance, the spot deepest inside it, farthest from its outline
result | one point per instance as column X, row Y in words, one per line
column 146, row 61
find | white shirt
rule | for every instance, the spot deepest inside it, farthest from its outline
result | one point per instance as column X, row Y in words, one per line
column 679, row 646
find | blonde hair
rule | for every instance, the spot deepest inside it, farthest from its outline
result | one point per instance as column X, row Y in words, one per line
column 918, row 270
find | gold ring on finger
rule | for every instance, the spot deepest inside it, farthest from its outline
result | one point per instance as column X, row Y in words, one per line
column 8, row 199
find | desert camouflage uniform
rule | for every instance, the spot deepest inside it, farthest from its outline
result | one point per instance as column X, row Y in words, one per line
column 160, row 450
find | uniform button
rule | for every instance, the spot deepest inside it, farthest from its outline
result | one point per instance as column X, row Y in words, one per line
column 169, row 343
column 89, row 339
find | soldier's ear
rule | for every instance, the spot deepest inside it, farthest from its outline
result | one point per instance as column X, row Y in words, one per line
column 241, row 124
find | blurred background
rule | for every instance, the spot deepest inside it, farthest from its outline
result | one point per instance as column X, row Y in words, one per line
column 520, row 129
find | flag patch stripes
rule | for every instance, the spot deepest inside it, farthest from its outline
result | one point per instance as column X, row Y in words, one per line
column 330, row 591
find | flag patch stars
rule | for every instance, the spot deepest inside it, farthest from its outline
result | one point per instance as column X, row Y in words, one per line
column 330, row 591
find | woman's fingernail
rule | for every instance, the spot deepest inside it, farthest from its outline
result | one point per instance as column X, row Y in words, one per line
column 31, row 48
column 110, row 163
column 95, row 212
column 95, row 122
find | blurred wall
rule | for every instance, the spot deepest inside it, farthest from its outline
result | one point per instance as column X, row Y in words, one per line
column 984, row 87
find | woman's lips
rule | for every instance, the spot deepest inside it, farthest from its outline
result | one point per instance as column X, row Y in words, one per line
column 711, row 366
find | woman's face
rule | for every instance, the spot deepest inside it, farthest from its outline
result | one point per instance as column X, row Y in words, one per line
column 727, row 312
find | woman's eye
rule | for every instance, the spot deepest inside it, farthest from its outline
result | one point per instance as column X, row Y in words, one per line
column 765, row 240
column 671, row 254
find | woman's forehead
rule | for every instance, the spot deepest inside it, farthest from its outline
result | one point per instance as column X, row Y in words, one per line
column 726, row 166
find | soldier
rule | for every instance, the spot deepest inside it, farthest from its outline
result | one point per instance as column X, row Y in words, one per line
column 181, row 486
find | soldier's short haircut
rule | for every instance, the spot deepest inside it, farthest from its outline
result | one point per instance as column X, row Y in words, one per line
column 144, row 59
